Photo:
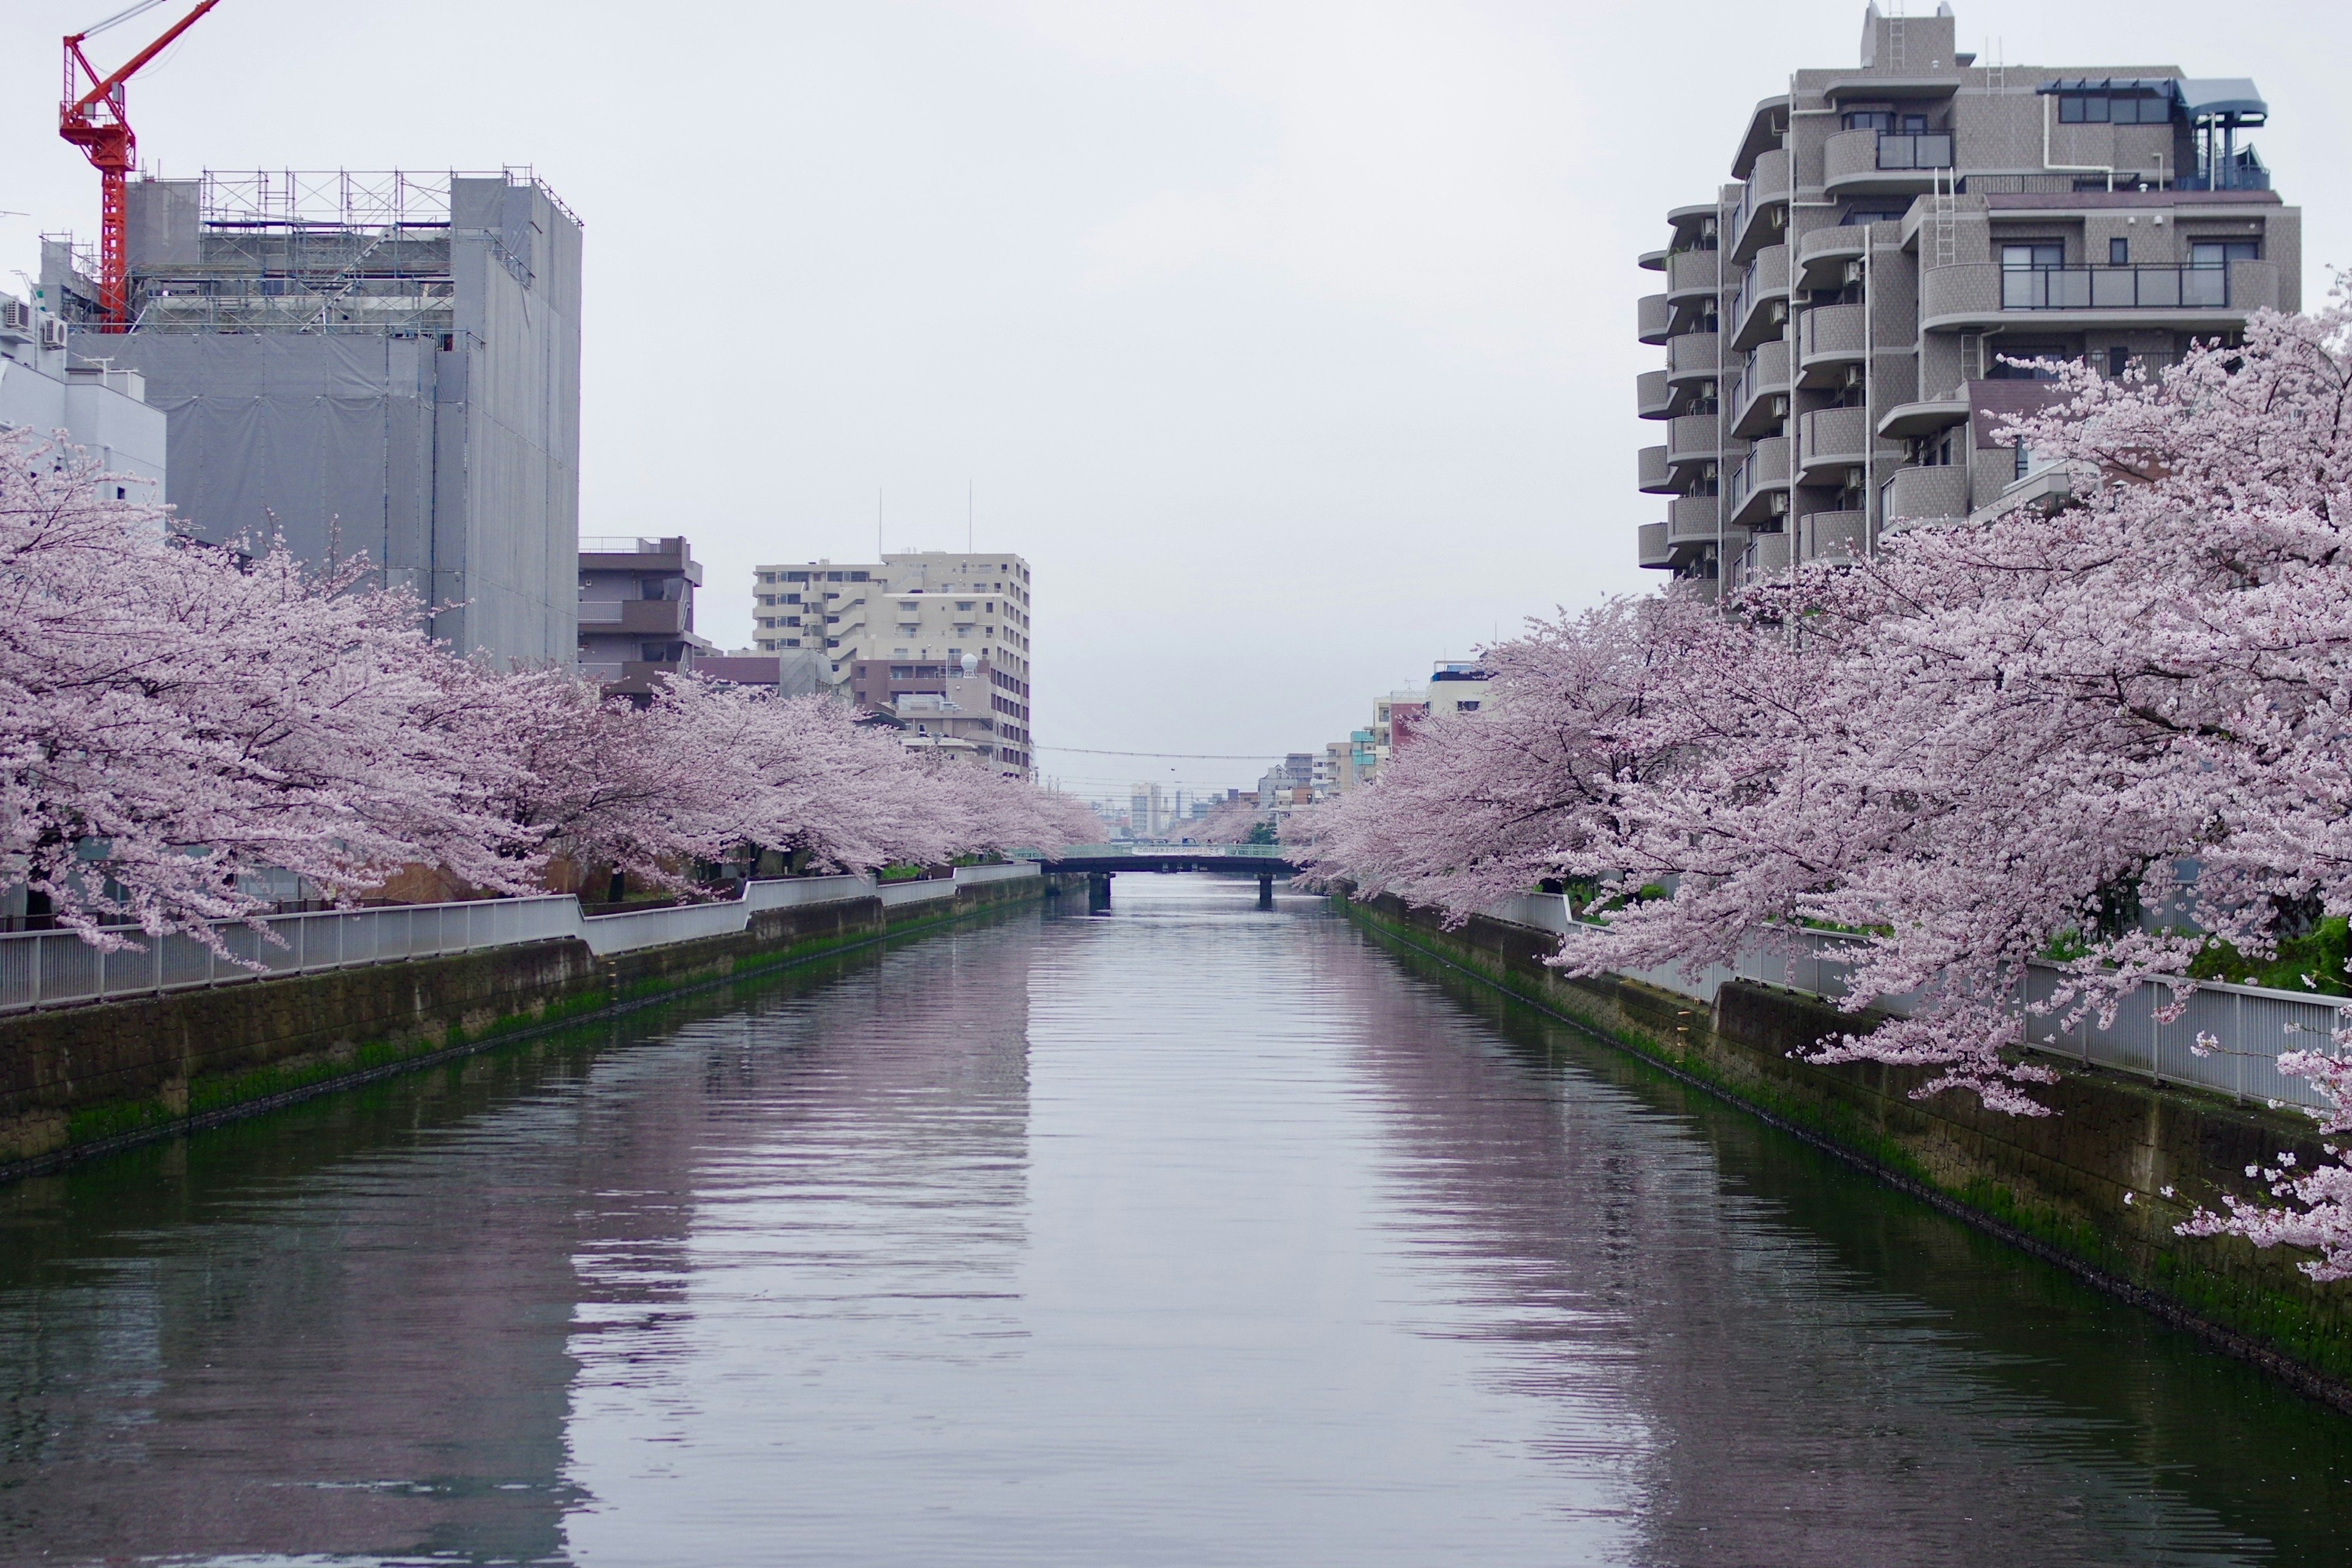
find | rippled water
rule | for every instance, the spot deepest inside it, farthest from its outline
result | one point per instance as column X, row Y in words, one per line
column 1187, row 1235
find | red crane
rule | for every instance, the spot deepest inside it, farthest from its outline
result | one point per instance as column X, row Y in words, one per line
column 93, row 121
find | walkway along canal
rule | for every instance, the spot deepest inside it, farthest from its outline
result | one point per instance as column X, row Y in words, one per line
column 1186, row 1234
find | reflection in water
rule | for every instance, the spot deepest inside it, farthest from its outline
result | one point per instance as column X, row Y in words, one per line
column 1188, row 1235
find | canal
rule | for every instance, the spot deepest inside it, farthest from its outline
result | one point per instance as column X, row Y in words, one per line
column 1189, row 1234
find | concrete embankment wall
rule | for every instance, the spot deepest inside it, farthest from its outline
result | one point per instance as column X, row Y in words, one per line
column 2054, row 1185
column 79, row 1081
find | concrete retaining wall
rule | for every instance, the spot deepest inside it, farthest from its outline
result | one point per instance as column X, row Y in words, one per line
column 2054, row 1185
column 81, row 1082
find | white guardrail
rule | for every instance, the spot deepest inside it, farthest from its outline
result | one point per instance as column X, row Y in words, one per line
column 50, row 969
column 2253, row 1023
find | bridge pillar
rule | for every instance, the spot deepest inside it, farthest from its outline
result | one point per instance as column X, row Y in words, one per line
column 1098, row 892
column 1265, row 891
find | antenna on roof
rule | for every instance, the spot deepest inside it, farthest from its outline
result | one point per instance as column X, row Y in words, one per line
column 967, row 516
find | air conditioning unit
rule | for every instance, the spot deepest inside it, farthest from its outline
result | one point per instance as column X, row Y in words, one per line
column 1781, row 407
column 1854, row 271
column 53, row 333
column 1778, row 503
column 15, row 316
column 1854, row 376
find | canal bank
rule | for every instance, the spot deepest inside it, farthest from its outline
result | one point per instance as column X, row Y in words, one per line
column 82, row 1081
column 2084, row 1189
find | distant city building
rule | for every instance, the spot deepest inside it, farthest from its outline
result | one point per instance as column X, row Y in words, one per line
column 636, row 611
column 1836, row 322
column 936, row 624
column 387, row 363
column 103, row 410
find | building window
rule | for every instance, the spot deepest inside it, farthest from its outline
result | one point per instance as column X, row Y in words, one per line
column 2221, row 252
column 1465, row 707
column 2114, row 109
column 791, row 642
column 2035, row 256
column 2119, row 251
column 792, row 620
column 797, row 577
column 2118, row 362
column 1885, row 120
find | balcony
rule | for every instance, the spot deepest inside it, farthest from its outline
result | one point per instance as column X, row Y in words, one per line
column 1829, row 339
column 1980, row 292
column 1693, row 272
column 1765, row 377
column 1759, row 486
column 1764, row 287
column 1692, row 438
column 1653, row 318
column 1767, row 556
column 1823, row 255
column 1693, row 520
column 1763, row 213
column 1651, row 547
column 1655, row 476
column 1915, row 496
column 1652, row 398
column 1883, row 162
column 1833, row 536
column 1832, row 440
column 1693, row 356
column 635, row 617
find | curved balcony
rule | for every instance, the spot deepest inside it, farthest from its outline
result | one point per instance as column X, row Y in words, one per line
column 1833, row 536
column 1915, row 496
column 1829, row 338
column 1767, row 555
column 1653, row 318
column 1652, row 396
column 1692, row 519
column 1650, row 261
column 1653, row 474
column 1758, row 480
column 1766, row 379
column 1832, row 440
column 1762, row 307
column 1693, row 356
column 1763, row 213
column 1650, row 546
column 1823, row 255
column 1690, row 272
column 1883, row 163
column 1692, row 438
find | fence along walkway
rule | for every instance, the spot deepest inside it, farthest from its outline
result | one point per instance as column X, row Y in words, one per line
column 2253, row 1023
column 49, row 969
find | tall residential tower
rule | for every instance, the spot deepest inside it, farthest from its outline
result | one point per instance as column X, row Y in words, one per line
column 1841, row 323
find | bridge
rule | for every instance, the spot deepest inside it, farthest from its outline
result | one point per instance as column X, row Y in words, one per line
column 1098, row 862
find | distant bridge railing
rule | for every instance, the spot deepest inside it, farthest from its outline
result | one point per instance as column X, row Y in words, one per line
column 56, row 968
column 2254, row 1024
column 1160, row 851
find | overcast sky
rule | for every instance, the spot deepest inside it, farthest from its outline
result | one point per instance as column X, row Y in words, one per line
column 1291, row 342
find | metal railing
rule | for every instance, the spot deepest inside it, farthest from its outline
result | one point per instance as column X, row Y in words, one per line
column 51, row 969
column 1163, row 851
column 1914, row 150
column 2115, row 287
column 2251, row 1024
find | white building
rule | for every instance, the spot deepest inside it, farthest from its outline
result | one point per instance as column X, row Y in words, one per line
column 910, row 625
column 101, row 409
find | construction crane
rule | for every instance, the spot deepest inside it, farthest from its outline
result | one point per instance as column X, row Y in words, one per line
column 94, row 121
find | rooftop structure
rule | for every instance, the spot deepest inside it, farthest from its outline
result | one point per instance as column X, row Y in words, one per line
column 102, row 410
column 377, row 363
column 1842, row 325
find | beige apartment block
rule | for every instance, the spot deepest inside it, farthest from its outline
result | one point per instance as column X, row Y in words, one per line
column 942, row 632
column 1843, row 325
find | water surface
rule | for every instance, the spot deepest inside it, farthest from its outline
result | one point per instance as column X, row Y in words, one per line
column 1186, row 1234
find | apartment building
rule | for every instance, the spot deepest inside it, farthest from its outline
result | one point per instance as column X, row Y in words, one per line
column 636, row 611
column 929, row 623
column 1842, row 322
column 101, row 409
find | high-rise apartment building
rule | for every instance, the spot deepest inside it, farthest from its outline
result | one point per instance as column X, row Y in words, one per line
column 377, row 363
column 927, row 624
column 1841, row 323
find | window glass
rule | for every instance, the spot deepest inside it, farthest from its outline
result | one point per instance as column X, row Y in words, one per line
column 2034, row 254
column 2118, row 251
column 2221, row 252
